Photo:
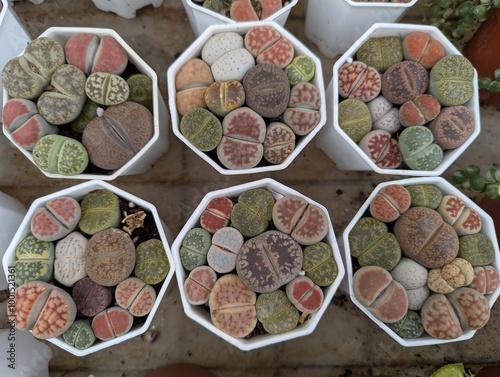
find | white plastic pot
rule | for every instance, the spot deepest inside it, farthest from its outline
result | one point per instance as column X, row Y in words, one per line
column 14, row 38
column 147, row 156
column 345, row 152
column 335, row 25
column 194, row 51
column 201, row 18
column 488, row 228
column 202, row 316
column 78, row 192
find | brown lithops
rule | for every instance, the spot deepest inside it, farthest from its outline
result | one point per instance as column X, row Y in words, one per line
column 453, row 126
column 279, row 142
column 357, row 80
column 90, row 297
column 223, row 97
column 302, row 113
column 382, row 149
column 191, row 83
column 404, row 81
column 110, row 257
column 232, row 306
column 390, row 202
column 268, row 261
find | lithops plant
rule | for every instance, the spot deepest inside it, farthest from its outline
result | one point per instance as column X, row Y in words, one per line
column 141, row 90
column 306, row 296
column 404, row 81
column 100, row 209
column 220, row 43
column 112, row 322
column 191, row 83
column 232, row 306
column 269, row 261
column 354, row 118
column 453, row 126
column 390, row 202
column 216, row 214
column 451, row 80
column 69, row 263
column 408, row 327
column 413, row 277
column 57, row 154
column 305, row 222
column 64, row 99
column 151, row 262
column 110, row 257
column 381, row 53
column 253, row 212
column 439, row 318
column 21, row 118
column 89, row 112
column 359, row 81
column 267, row 45
column 136, row 296
column 226, row 244
column 426, row 238
column 56, row 219
column 476, row 249
column 90, row 297
column 244, row 131
column 233, row 65
column 279, row 142
column 319, row 264
column 276, row 313
column 301, row 69
column 454, row 211
column 384, row 297
column 223, row 97
column 424, row 195
column 458, row 273
column 419, row 150
column 202, row 129
column 486, row 279
column 199, row 284
column 34, row 260
column 106, row 88
column 382, row 149
column 473, row 309
column 419, row 111
column 302, row 113
column 195, row 245
column 80, row 334
column 27, row 76
column 420, row 47
column 118, row 135
column 385, row 116
column 371, row 242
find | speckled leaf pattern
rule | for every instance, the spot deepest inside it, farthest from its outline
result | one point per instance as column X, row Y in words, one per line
column 152, row 264
column 319, row 264
column 252, row 213
column 195, row 245
column 276, row 312
column 80, row 335
column 409, row 327
column 100, row 210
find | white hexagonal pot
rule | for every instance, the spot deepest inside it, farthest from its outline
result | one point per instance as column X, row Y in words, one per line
column 202, row 316
column 78, row 192
column 488, row 228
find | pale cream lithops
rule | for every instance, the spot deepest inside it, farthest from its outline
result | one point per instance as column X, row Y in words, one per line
column 413, row 277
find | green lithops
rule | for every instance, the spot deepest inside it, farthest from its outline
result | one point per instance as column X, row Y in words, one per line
column 35, row 260
column 202, row 129
column 477, row 249
column 319, row 264
column 371, row 242
column 301, row 69
column 408, row 327
column 418, row 148
column 80, row 335
column 100, row 210
column 381, row 53
column 276, row 313
column 354, row 118
column 89, row 112
column 451, row 80
column 151, row 262
column 106, row 88
column 141, row 90
column 194, row 249
column 59, row 154
column 253, row 212
column 424, row 195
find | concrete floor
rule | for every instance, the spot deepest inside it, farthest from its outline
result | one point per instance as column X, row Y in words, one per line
column 346, row 342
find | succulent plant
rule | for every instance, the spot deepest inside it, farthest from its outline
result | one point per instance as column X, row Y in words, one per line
column 301, row 69
column 58, row 154
column 69, row 263
column 244, row 10
column 279, row 142
column 141, row 90
column 106, row 88
column 233, row 65
column 276, row 313
column 408, row 327
column 216, row 214
column 110, row 257
column 80, row 334
column 199, row 284
column 471, row 179
column 302, row 113
column 220, row 43
column 424, row 195
column 418, row 148
column 464, row 220
column 202, row 129
column 269, row 261
column 486, row 279
column 420, row 47
column 232, row 306
column 354, row 118
column 191, row 83
column 359, row 81
column 413, row 277
column 223, row 97
column 404, row 81
column 90, row 297
column 382, row 149
column 453, row 126
column 319, row 264
column 279, row 53
column 100, row 210
column 34, row 260
column 452, row 369
column 253, row 212
column 136, row 296
column 306, row 296
column 385, row 116
column 151, row 262
column 381, row 52
column 419, row 111
column 195, row 245
column 476, row 249
column 458, row 273
column 390, row 202
column 226, row 244
column 89, row 112
column 112, row 322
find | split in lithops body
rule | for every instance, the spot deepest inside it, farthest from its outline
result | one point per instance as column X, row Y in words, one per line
column 244, row 10
column 57, row 154
column 100, row 210
column 34, row 260
column 56, row 219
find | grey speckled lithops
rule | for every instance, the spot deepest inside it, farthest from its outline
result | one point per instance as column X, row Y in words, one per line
column 277, row 314
column 64, row 101
column 195, row 245
column 354, row 118
column 319, row 264
column 451, row 80
column 58, row 154
column 202, row 129
column 107, row 88
column 419, row 150
column 26, row 76
column 100, row 210
column 253, row 212
column 80, row 335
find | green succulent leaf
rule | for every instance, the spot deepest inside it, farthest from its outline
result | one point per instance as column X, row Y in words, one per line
column 458, row 177
column 477, row 183
column 472, row 170
column 452, row 370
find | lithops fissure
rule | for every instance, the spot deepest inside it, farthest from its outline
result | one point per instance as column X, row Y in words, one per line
column 302, row 113
column 216, row 215
column 301, row 69
column 319, row 264
column 226, row 244
column 100, row 210
column 390, row 202
column 267, row 46
column 253, row 212
column 381, row 53
column 91, row 297
column 279, row 142
column 421, row 48
column 69, row 264
column 275, row 311
column 151, row 262
column 34, row 260
column 80, row 335
column 199, row 284
column 195, row 245
column 419, row 150
column 404, row 81
column 57, row 154
column 136, row 296
column 359, row 81
column 202, row 129
column 382, row 149
column 106, row 88
column 191, row 83
column 268, row 261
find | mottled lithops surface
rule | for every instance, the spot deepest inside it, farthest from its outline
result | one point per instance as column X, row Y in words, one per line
column 216, row 215
column 69, row 263
column 418, row 148
column 420, row 47
column 220, row 43
column 319, row 264
column 425, row 195
column 458, row 273
column 419, row 111
column 382, row 149
column 141, row 90
column 110, row 257
column 439, row 318
column 100, row 210
column 199, row 284
column 80, row 335
column 453, row 126
column 302, row 114
column 390, row 202
column 275, row 311
column 112, row 322
column 226, row 244
column 359, row 81
column 106, row 88
column 279, row 142
column 486, row 279
column 472, row 308
column 301, row 69
column 253, row 212
column 136, row 296
column 202, row 129
column 354, row 118
column 194, row 248
column 223, row 97
column 151, row 262
column 404, row 81
column 381, row 53
column 191, row 83
column 268, row 261
column 34, row 260
column 385, row 116
column 306, row 296
column 408, row 327
column 476, row 249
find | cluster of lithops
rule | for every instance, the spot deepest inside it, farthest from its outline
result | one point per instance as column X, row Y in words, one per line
column 402, row 100
column 257, row 263
column 422, row 264
column 89, row 270
column 77, row 107
column 247, row 99
column 244, row 10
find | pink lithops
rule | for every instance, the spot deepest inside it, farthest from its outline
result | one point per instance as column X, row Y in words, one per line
column 382, row 149
column 472, row 308
column 390, row 202
column 280, row 54
column 269, row 7
column 91, row 54
column 439, row 318
column 136, row 296
column 464, row 220
column 357, row 80
column 419, row 111
column 305, row 222
column 259, row 38
column 241, row 146
column 486, row 279
column 199, row 284
column 111, row 323
column 304, row 294
column 56, row 220
column 226, row 244
column 216, row 215
column 232, row 306
column 242, row 10
column 279, row 142
column 302, row 114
